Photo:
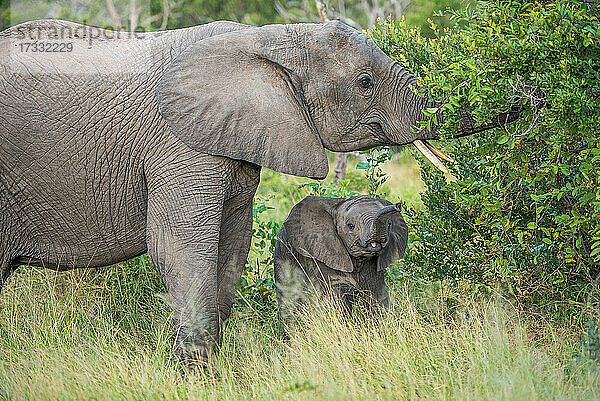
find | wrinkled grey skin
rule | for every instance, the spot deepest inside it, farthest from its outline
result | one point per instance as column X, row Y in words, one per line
column 339, row 247
column 155, row 143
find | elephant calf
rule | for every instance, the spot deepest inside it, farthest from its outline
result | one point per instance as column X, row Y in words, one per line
column 339, row 247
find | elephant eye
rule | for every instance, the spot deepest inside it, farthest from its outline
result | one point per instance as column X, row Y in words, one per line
column 365, row 82
column 351, row 226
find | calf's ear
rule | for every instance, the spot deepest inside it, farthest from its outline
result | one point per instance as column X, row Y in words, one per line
column 312, row 232
column 398, row 240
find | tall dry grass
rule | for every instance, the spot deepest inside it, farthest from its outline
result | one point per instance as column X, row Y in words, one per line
column 105, row 335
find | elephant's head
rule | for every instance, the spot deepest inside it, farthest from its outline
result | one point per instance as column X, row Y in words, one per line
column 335, row 230
column 278, row 95
column 371, row 228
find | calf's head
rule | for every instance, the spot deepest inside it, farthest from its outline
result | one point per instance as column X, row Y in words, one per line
column 338, row 231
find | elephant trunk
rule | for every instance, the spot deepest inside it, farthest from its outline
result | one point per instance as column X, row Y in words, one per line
column 466, row 126
column 380, row 227
column 408, row 108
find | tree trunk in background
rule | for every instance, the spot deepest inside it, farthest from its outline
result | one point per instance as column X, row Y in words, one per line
column 133, row 16
column 165, row 16
column 341, row 161
column 113, row 15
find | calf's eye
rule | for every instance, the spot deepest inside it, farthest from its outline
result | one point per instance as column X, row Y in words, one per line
column 351, row 226
column 365, row 82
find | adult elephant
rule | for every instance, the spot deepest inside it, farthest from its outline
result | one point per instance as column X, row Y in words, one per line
column 116, row 144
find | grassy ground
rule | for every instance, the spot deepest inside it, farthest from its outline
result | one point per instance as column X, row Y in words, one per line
column 105, row 334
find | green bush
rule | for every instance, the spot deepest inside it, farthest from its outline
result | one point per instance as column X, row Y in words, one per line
column 257, row 287
column 523, row 205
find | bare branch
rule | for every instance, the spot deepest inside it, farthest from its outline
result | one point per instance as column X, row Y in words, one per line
column 165, row 16
column 113, row 15
column 322, row 9
column 148, row 21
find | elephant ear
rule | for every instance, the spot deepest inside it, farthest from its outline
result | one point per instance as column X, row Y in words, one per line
column 312, row 232
column 398, row 240
column 238, row 95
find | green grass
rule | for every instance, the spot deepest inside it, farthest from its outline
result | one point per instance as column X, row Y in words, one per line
column 104, row 334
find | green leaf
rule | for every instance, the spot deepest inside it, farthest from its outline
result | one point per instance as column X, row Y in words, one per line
column 430, row 111
column 503, row 139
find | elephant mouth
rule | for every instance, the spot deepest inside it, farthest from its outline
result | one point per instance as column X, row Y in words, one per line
column 432, row 153
column 372, row 247
column 377, row 130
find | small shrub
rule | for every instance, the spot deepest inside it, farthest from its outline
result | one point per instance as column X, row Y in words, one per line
column 376, row 157
column 257, row 286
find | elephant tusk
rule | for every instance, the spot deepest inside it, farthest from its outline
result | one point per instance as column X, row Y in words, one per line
column 429, row 155
column 438, row 152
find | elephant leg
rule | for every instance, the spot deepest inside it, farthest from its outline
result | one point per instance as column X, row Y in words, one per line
column 234, row 245
column 183, row 235
column 5, row 270
column 6, row 263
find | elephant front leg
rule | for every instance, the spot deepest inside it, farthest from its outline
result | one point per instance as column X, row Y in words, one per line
column 234, row 245
column 183, row 236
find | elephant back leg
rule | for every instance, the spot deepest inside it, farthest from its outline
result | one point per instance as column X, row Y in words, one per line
column 185, row 204
column 6, row 268
column 7, row 254
column 234, row 239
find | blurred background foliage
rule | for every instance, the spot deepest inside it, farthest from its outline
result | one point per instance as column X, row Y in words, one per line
column 171, row 14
